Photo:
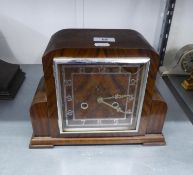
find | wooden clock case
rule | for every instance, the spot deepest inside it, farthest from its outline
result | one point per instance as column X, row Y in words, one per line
column 79, row 43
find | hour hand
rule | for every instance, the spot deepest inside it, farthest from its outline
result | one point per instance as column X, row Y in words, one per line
column 114, row 105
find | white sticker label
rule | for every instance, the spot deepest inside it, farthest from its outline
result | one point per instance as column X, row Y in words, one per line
column 102, row 44
column 103, row 39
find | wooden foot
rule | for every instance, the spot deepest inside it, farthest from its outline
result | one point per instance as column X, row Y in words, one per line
column 40, row 146
column 163, row 143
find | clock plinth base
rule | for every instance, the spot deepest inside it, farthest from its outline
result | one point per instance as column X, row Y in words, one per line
column 43, row 139
column 49, row 142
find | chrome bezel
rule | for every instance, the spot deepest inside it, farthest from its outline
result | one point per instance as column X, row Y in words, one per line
column 81, row 61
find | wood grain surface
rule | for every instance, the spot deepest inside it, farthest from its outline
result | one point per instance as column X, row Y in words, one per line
column 78, row 43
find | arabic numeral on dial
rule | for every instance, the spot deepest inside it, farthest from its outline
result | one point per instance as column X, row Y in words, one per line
column 133, row 81
column 131, row 97
column 69, row 113
column 69, row 98
column 68, row 83
column 82, row 70
column 102, row 69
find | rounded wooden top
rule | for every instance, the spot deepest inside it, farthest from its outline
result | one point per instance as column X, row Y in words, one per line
column 84, row 39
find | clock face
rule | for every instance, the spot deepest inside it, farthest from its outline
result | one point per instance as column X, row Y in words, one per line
column 99, row 96
column 187, row 62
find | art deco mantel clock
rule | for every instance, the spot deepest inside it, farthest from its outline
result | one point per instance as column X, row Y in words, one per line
column 98, row 88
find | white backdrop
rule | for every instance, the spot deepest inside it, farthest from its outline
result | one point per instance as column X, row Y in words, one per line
column 27, row 25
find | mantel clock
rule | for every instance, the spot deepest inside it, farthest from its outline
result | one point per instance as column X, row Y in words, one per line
column 98, row 88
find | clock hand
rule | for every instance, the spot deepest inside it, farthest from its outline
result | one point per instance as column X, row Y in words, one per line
column 118, row 96
column 114, row 105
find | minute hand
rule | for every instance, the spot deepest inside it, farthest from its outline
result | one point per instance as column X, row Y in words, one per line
column 117, row 96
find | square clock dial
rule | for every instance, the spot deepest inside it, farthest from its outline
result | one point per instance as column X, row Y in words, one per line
column 100, row 95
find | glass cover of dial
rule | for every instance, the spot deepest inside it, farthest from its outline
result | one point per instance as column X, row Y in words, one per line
column 100, row 97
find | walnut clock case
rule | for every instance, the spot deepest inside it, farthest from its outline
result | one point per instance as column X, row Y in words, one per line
column 98, row 88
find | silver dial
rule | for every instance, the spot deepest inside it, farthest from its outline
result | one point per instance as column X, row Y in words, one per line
column 187, row 62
